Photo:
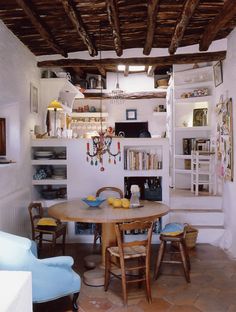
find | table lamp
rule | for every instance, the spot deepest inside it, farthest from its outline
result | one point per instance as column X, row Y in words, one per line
column 55, row 106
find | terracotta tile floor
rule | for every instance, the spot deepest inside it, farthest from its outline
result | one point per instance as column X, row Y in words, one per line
column 212, row 288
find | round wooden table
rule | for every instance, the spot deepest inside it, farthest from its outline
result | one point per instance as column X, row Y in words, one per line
column 77, row 211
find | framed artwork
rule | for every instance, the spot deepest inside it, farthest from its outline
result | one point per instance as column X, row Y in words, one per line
column 224, row 139
column 200, row 117
column 131, row 114
column 218, row 73
column 34, row 99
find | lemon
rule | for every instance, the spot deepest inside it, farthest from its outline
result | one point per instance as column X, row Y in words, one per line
column 110, row 200
column 91, row 197
column 125, row 203
column 117, row 203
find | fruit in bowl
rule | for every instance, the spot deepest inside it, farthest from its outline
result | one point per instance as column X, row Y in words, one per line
column 116, row 203
column 91, row 197
column 125, row 203
column 94, row 202
column 110, row 200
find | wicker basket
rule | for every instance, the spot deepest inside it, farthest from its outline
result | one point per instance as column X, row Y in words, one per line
column 190, row 236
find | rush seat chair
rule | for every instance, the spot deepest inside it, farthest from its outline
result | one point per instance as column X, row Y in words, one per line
column 130, row 256
column 40, row 231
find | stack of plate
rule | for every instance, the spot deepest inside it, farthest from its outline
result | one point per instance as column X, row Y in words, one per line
column 59, row 173
column 43, row 154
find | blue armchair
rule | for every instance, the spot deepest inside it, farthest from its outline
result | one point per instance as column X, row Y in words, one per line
column 52, row 278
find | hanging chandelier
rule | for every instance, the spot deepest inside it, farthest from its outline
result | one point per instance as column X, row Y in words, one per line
column 101, row 144
column 117, row 95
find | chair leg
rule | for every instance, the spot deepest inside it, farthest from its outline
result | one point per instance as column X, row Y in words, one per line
column 74, row 302
column 107, row 270
column 159, row 259
column 40, row 244
column 184, row 261
column 63, row 243
column 123, row 279
column 54, row 244
column 147, row 281
column 187, row 256
column 141, row 271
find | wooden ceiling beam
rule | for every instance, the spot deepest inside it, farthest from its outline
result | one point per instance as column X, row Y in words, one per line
column 130, row 96
column 188, row 10
column 151, row 25
column 101, row 70
column 39, row 25
column 189, row 58
column 227, row 13
column 112, row 12
column 77, row 22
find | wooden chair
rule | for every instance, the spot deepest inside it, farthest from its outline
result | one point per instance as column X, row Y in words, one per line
column 98, row 227
column 38, row 232
column 130, row 256
column 179, row 249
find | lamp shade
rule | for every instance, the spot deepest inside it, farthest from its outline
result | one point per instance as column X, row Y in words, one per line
column 55, row 105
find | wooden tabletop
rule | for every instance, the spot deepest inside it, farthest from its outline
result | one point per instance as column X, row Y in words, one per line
column 77, row 211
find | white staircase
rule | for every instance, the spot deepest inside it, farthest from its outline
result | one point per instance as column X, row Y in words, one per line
column 203, row 212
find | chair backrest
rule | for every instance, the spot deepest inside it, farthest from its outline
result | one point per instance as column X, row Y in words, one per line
column 110, row 189
column 36, row 213
column 144, row 226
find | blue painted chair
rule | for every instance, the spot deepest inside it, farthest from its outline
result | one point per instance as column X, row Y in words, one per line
column 52, row 278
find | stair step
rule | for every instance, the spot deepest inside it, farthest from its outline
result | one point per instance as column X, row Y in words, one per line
column 203, row 218
column 194, row 210
column 210, row 234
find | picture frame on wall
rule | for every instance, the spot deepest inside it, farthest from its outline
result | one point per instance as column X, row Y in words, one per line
column 200, row 117
column 34, row 99
column 218, row 73
column 131, row 114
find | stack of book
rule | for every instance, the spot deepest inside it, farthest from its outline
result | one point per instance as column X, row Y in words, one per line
column 141, row 160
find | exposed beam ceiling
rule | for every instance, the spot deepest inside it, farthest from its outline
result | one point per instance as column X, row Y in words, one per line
column 188, row 10
column 77, row 22
column 35, row 19
column 151, row 25
column 112, row 12
column 227, row 13
column 157, row 61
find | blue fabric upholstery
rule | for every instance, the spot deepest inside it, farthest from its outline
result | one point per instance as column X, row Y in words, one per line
column 173, row 229
column 52, row 278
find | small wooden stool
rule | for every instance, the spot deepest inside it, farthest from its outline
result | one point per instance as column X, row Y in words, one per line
column 179, row 240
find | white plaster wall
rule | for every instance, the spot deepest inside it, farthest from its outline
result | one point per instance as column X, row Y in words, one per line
column 18, row 69
column 229, row 196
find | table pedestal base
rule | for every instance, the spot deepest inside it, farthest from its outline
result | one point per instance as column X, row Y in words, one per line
column 92, row 261
column 94, row 277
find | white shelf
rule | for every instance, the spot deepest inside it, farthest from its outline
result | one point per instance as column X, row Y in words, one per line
column 196, row 99
column 89, row 114
column 163, row 114
column 190, row 85
column 49, row 182
column 188, row 171
column 130, row 173
column 202, row 128
column 49, row 162
column 183, row 156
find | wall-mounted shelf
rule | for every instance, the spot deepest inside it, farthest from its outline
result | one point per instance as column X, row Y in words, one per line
column 89, row 114
column 163, row 114
column 202, row 128
column 194, row 99
column 49, row 182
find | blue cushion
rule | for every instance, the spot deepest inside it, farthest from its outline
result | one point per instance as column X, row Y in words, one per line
column 173, row 229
